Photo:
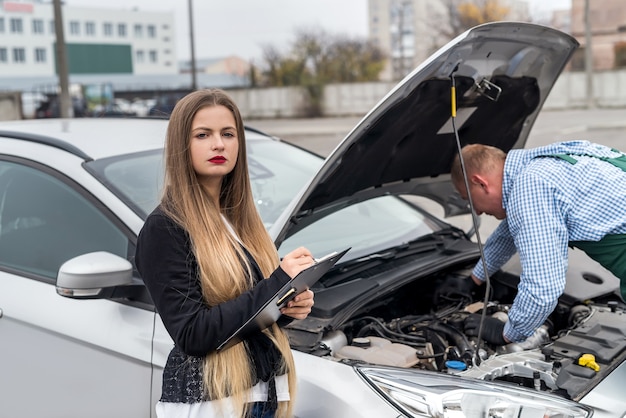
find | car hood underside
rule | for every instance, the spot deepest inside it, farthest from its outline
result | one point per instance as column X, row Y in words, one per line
column 486, row 86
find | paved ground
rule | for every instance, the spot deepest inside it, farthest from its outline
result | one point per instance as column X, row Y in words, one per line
column 606, row 126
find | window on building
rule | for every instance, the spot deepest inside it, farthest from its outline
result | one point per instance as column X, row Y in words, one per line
column 16, row 25
column 74, row 27
column 40, row 55
column 3, row 55
column 151, row 31
column 1, row 25
column 166, row 39
column 90, row 29
column 138, row 31
column 139, row 55
column 121, row 30
column 52, row 27
column 19, row 55
column 153, row 55
column 107, row 29
column 38, row 26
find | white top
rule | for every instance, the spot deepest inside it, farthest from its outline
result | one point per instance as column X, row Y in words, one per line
column 257, row 393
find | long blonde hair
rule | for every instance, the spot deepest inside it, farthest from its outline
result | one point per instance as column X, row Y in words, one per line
column 224, row 271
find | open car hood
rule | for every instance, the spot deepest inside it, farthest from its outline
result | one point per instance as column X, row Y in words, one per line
column 502, row 73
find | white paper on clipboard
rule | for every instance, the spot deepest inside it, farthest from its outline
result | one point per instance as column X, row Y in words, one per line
column 270, row 311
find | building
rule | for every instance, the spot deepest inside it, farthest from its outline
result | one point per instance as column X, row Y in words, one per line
column 409, row 31
column 402, row 29
column 561, row 20
column 99, row 42
column 607, row 20
column 231, row 65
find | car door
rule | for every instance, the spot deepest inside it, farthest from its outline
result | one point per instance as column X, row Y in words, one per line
column 61, row 357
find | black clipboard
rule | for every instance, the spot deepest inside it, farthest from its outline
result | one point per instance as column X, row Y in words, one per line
column 270, row 311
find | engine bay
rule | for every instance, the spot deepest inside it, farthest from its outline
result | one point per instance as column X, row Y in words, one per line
column 423, row 327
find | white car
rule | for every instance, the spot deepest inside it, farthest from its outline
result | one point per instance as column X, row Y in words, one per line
column 79, row 336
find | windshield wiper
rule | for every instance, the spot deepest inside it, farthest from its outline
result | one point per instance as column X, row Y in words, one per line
column 428, row 243
column 434, row 241
column 422, row 244
column 410, row 248
column 451, row 231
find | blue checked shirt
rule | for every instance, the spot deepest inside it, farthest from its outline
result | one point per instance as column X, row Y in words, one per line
column 549, row 202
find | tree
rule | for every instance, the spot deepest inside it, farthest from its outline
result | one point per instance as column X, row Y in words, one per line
column 354, row 61
column 460, row 15
column 279, row 70
column 474, row 13
column 316, row 59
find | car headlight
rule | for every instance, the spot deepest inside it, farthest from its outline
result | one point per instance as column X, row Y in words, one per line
column 426, row 394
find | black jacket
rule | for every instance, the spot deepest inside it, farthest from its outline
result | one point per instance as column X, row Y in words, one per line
column 169, row 270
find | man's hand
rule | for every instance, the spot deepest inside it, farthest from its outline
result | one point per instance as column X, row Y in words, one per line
column 492, row 331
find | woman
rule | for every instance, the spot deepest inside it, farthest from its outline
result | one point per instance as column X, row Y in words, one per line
column 203, row 255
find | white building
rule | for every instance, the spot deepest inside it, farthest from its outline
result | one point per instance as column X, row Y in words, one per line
column 102, row 45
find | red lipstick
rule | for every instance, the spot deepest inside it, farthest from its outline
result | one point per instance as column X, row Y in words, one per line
column 218, row 159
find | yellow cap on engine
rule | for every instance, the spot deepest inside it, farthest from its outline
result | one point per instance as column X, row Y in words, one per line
column 589, row 360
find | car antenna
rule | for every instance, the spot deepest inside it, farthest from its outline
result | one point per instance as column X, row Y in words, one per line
column 476, row 358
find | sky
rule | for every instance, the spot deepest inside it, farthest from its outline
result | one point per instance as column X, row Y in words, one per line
column 244, row 27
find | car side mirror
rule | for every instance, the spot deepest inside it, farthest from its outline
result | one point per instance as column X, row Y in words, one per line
column 94, row 275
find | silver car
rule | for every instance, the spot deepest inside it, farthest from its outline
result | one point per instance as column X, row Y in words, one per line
column 80, row 336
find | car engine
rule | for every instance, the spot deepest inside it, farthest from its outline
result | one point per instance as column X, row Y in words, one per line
column 418, row 327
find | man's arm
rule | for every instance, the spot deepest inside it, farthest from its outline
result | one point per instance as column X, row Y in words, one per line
column 535, row 216
column 498, row 249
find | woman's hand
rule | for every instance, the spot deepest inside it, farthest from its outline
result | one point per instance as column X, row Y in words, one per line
column 293, row 263
column 296, row 261
column 300, row 306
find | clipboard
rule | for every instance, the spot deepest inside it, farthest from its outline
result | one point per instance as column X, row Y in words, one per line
column 270, row 311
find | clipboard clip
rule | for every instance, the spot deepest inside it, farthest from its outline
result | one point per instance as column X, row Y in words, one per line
column 286, row 296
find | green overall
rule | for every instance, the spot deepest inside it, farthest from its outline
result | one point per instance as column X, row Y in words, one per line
column 610, row 251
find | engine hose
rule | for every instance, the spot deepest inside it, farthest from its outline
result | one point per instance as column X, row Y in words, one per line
column 383, row 331
column 458, row 339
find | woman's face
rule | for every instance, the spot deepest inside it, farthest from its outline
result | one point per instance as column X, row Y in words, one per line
column 214, row 145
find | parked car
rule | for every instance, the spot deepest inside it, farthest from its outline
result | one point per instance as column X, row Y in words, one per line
column 49, row 107
column 113, row 110
column 164, row 105
column 78, row 327
column 30, row 103
column 142, row 106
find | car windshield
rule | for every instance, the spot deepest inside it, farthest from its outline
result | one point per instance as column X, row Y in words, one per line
column 366, row 227
column 278, row 172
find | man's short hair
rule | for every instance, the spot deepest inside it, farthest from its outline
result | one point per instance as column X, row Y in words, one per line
column 477, row 158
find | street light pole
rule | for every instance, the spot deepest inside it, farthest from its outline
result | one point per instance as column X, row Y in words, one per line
column 588, row 58
column 65, row 102
column 194, row 84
